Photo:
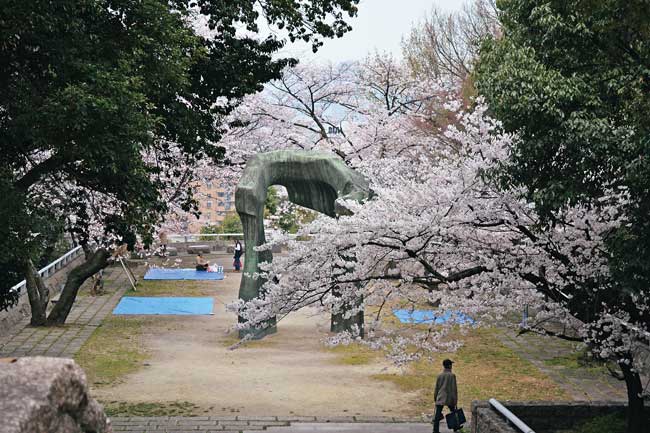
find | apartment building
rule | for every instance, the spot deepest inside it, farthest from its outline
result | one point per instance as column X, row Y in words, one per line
column 215, row 201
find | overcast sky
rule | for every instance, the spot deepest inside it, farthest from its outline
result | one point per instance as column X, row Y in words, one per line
column 379, row 25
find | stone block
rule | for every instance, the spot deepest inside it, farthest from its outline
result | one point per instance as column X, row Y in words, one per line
column 48, row 395
column 198, row 248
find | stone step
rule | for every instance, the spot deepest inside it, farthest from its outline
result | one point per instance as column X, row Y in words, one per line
column 356, row 427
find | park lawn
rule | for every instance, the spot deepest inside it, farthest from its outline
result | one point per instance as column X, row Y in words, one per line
column 113, row 350
column 354, row 354
column 173, row 288
column 578, row 360
column 485, row 368
column 232, row 341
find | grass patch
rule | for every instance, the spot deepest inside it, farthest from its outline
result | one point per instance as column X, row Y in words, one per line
column 576, row 360
column 174, row 408
column 603, row 424
column 173, row 288
column 112, row 351
column 354, row 354
column 232, row 339
column 484, row 367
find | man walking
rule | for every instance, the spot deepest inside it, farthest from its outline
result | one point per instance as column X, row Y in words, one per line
column 446, row 393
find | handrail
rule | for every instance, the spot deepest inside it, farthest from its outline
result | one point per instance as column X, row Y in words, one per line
column 190, row 237
column 510, row 416
column 64, row 258
column 45, row 272
column 187, row 237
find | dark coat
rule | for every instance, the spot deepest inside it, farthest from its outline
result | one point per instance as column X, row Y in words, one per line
column 239, row 252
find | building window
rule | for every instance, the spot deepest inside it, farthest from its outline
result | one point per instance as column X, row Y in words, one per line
column 221, row 194
column 208, row 216
column 208, row 185
column 208, row 204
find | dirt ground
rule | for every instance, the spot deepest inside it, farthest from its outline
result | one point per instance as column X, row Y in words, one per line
column 289, row 373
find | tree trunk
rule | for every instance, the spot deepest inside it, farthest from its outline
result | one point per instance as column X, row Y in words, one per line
column 38, row 294
column 353, row 324
column 635, row 413
column 95, row 261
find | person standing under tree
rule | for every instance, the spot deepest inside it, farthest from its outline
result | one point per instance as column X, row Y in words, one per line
column 446, row 393
column 238, row 253
column 163, row 242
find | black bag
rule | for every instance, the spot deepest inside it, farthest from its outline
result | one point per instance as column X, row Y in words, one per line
column 456, row 419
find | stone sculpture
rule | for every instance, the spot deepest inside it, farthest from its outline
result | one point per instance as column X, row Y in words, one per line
column 315, row 180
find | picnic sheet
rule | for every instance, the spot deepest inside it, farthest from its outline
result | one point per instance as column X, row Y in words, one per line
column 173, row 306
column 429, row 316
column 181, row 274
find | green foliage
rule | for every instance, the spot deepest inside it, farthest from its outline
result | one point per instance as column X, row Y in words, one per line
column 287, row 217
column 573, row 78
column 272, row 202
column 292, row 219
column 24, row 235
column 91, row 86
column 230, row 224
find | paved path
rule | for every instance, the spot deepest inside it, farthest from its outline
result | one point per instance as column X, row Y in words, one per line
column 583, row 384
column 87, row 314
column 239, row 424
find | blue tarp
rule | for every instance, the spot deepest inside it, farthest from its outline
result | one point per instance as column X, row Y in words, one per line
column 428, row 316
column 181, row 274
column 175, row 306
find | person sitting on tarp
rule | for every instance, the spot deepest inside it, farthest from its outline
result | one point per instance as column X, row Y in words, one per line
column 201, row 263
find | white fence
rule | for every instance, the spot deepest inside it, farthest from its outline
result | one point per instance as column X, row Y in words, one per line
column 54, row 266
column 196, row 237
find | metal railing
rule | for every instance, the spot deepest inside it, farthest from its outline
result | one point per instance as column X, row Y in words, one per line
column 50, row 269
column 510, row 416
column 196, row 237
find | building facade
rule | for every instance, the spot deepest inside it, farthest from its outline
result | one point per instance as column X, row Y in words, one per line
column 215, row 201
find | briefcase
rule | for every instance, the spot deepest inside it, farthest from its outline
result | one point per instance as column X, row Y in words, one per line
column 456, row 419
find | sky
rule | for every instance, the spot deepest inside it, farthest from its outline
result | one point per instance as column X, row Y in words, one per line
column 379, row 25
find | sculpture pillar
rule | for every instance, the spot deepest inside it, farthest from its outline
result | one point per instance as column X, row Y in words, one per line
column 314, row 180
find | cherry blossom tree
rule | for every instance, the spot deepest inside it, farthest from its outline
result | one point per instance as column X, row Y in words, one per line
column 443, row 231
column 359, row 111
column 106, row 110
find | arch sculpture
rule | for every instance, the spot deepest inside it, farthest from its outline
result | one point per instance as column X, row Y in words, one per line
column 314, row 180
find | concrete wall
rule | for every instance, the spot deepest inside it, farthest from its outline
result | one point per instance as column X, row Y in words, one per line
column 22, row 310
column 543, row 417
column 486, row 420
